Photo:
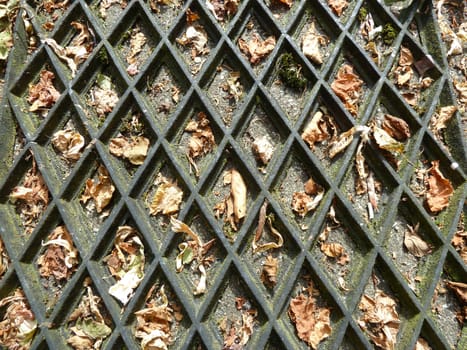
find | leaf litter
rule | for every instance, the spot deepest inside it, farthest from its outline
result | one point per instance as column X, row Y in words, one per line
column 312, row 321
column 4, row 259
column 18, row 325
column 133, row 149
column 312, row 42
column 69, row 143
column 459, row 240
column 100, row 190
column 157, row 323
column 308, row 200
column 222, row 9
column 167, row 198
column 87, row 325
column 30, row 198
column 126, row 263
column 338, row 6
column 439, row 189
column 43, row 95
column 103, row 96
column 193, row 253
column 347, row 85
column 256, row 49
column 414, row 243
column 138, row 41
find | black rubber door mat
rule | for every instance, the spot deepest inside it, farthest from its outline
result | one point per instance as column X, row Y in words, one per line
column 231, row 175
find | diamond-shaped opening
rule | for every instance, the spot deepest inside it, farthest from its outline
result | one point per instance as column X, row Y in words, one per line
column 24, row 198
column 134, row 39
column 99, row 88
column 384, row 292
column 233, row 302
column 129, row 138
column 122, row 259
column 83, row 306
column 32, row 98
column 415, row 75
column 226, row 83
column 320, row 31
column 450, row 133
column 153, row 297
column 353, row 79
column 195, row 39
column 91, row 195
column 341, row 249
column 300, row 190
column 340, row 9
column 375, row 32
column 194, row 137
column 442, row 206
column 109, row 13
column 163, row 87
column 370, row 192
column 335, row 121
column 283, row 11
column 447, row 306
column 261, row 135
column 430, row 335
column 270, row 268
column 47, row 16
column 76, row 31
column 166, row 13
column 459, row 240
column 189, row 274
column 308, row 289
column 256, row 29
column 217, row 193
column 163, row 194
column 413, row 246
column 64, row 138
column 51, row 260
column 290, row 82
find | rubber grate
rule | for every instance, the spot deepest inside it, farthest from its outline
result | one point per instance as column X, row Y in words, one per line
column 265, row 109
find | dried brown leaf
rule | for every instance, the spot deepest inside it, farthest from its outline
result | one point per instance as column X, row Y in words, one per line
column 239, row 194
column 263, row 149
column 406, row 57
column 197, row 38
column 460, row 289
column 4, row 259
column 396, row 127
column 269, row 271
column 439, row 190
column 134, row 149
column 233, row 86
column 439, row 120
column 69, row 143
column 422, row 344
column 338, row 6
column 336, row 251
column 167, row 198
column 342, row 142
column 414, row 243
column 348, row 87
column 103, row 96
column 257, row 248
column 43, row 95
column 311, row 43
column 222, row 9
column 257, row 49
column 100, row 190
column 316, row 130
column 386, row 142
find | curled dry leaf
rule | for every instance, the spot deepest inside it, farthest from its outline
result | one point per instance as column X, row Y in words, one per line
column 380, row 319
column 32, row 196
column 77, row 51
column 156, row 323
column 100, row 190
column 167, row 198
column 202, row 139
column 311, row 43
column 137, row 42
column 312, row 323
column 18, row 325
column 348, row 87
column 43, row 95
column 126, row 263
column 406, row 57
column 233, row 86
column 396, row 127
column 263, row 149
column 60, row 258
column 257, row 248
column 414, row 243
column 287, row 3
column 304, row 202
column 88, row 327
column 439, row 190
column 338, row 6
column 257, row 49
column 222, row 9
column 386, row 142
column 197, row 38
column 103, row 96
column 316, row 130
column 439, row 120
column 335, row 251
column 269, row 271
column 69, row 143
column 341, row 143
column 134, row 149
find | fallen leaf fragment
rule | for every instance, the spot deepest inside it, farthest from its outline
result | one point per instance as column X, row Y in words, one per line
column 222, row 9
column 269, row 271
column 137, row 42
column 312, row 323
column 348, row 87
column 257, row 248
column 195, row 37
column 126, row 263
column 380, row 319
column 100, row 190
column 304, row 202
column 386, row 142
column 43, row 95
column 316, row 130
column 414, row 243
column 237, row 333
column 134, row 149
column 263, row 149
column 396, row 127
column 335, row 251
column 439, row 120
column 422, row 344
column 460, row 290
column 233, row 86
column 103, row 96
column 338, row 6
column 4, row 259
column 257, row 49
column 341, row 143
column 18, row 325
column 69, row 143
column 311, row 43
column 167, row 198
column 439, row 190
column 88, row 327
column 60, row 258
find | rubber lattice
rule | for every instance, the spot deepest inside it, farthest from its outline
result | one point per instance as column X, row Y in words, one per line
column 374, row 248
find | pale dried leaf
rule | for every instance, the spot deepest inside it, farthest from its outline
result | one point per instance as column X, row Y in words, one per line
column 239, row 195
column 310, row 45
column 342, row 142
column 257, row 49
column 69, row 143
column 100, row 190
column 338, row 6
column 316, row 130
column 386, row 142
column 269, row 271
column 348, row 87
column 263, row 149
column 167, row 198
column 406, row 57
column 195, row 37
column 134, row 149
column 414, row 243
column 336, row 251
column 439, row 120
column 233, row 86
column 439, row 190
column 257, row 248
column 422, row 344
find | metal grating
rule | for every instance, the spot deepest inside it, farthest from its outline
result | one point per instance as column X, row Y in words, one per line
column 375, row 246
